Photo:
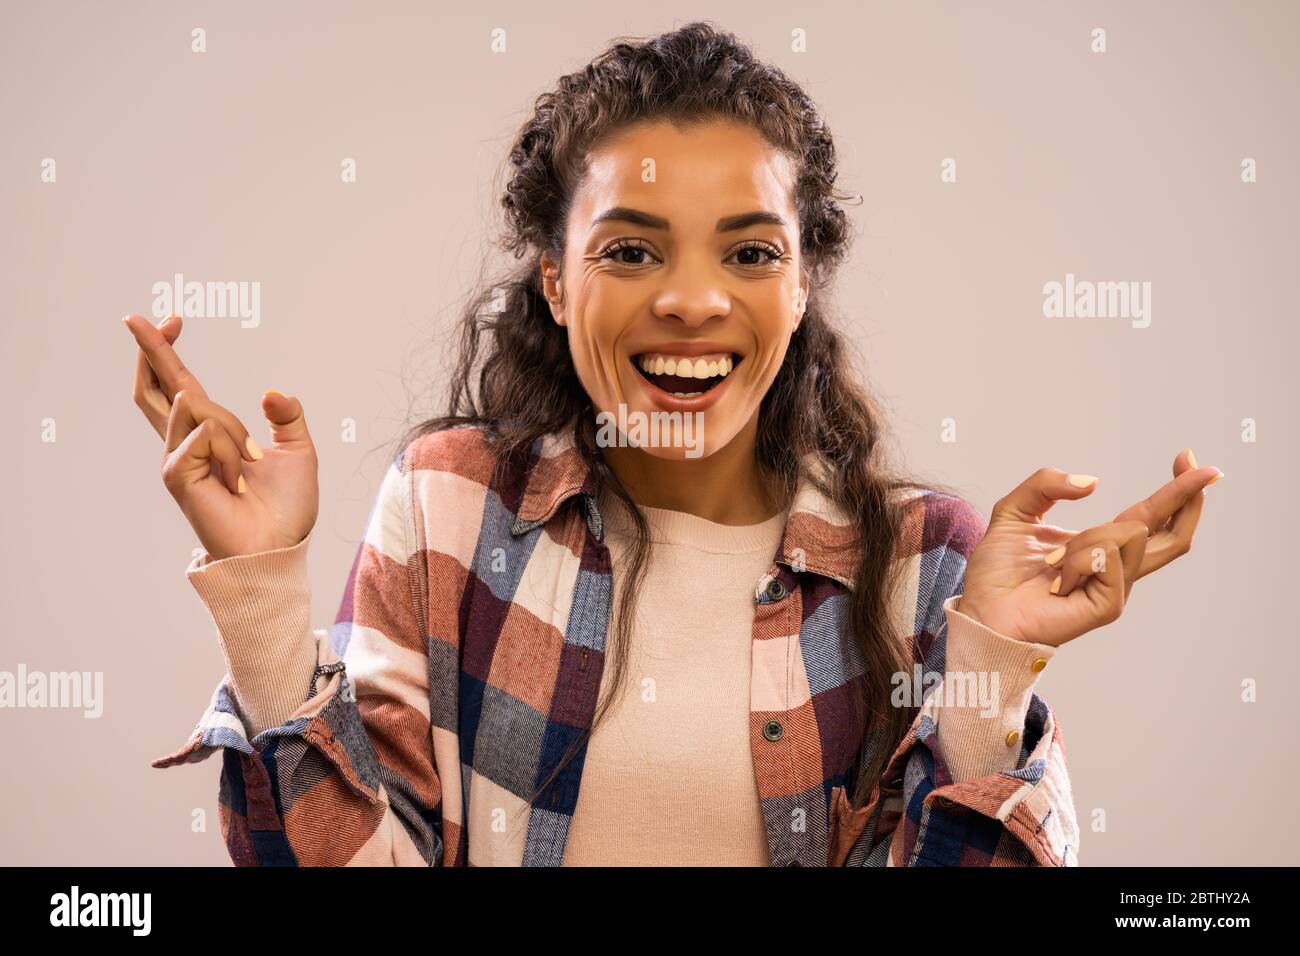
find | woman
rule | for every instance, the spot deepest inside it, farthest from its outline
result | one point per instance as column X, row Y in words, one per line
column 660, row 401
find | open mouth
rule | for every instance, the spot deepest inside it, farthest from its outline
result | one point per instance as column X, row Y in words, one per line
column 686, row 376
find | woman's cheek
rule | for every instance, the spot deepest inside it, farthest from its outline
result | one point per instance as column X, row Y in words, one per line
column 599, row 377
column 599, row 373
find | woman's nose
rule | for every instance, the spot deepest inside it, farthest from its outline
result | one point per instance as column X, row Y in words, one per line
column 692, row 295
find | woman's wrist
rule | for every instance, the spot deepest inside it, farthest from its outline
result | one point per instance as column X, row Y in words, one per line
column 971, row 610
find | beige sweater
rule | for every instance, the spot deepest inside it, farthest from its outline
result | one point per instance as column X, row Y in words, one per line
column 669, row 777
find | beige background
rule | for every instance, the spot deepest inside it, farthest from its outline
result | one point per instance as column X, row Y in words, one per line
column 1122, row 166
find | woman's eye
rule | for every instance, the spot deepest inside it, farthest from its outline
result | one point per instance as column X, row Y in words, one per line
column 616, row 251
column 757, row 254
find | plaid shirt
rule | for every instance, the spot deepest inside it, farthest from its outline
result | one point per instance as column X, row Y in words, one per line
column 467, row 655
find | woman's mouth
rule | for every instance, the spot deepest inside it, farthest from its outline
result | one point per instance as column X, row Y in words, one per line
column 686, row 376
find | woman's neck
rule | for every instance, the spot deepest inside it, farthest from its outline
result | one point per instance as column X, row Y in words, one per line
column 726, row 487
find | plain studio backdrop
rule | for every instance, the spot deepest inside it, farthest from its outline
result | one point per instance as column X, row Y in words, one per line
column 228, row 166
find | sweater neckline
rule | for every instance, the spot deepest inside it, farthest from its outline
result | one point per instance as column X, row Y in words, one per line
column 691, row 531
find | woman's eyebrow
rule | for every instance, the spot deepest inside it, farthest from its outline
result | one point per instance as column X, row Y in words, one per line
column 726, row 224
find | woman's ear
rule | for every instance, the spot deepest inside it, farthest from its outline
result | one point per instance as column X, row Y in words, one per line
column 553, row 288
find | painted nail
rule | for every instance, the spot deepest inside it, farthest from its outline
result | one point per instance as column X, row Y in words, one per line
column 1082, row 481
column 1191, row 459
column 1056, row 585
column 243, row 485
column 253, row 449
column 1055, row 555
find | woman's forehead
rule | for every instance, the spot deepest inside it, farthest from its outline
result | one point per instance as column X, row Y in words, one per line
column 702, row 173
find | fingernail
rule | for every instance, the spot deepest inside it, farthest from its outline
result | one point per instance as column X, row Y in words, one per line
column 126, row 320
column 1056, row 585
column 272, row 391
column 1055, row 555
column 1214, row 479
column 1082, row 481
column 253, row 449
column 243, row 485
column 1191, row 459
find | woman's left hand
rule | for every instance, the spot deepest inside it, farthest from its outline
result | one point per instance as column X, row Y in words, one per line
column 1036, row 582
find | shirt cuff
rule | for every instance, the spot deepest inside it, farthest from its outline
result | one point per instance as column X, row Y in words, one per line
column 982, row 728
column 261, row 606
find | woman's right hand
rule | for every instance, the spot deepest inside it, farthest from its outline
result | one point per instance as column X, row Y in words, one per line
column 238, row 499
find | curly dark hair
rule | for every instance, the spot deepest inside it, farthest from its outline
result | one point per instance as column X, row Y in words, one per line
column 515, row 378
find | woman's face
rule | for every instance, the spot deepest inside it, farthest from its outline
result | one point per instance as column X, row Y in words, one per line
column 682, row 282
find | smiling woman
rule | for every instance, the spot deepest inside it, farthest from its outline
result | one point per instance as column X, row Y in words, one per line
column 681, row 247
column 767, row 587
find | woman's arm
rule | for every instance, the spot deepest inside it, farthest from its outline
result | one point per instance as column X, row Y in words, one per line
column 325, row 761
column 1031, row 582
column 918, row 814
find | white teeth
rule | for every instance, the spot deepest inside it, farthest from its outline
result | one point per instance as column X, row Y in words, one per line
column 687, row 394
column 712, row 366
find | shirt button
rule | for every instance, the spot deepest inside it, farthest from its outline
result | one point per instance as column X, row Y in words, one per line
column 776, row 590
column 773, row 730
column 1039, row 664
column 1013, row 737
column 794, row 863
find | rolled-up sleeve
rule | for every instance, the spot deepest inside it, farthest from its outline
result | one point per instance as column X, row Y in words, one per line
column 988, row 684
column 261, row 606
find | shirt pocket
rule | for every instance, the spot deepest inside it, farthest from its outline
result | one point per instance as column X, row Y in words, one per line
column 846, row 826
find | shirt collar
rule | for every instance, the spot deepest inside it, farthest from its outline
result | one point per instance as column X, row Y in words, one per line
column 817, row 537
